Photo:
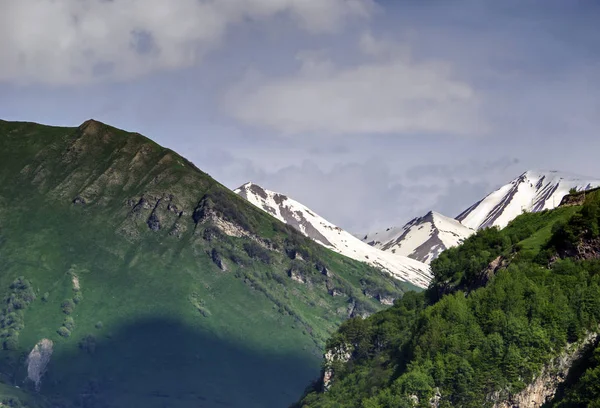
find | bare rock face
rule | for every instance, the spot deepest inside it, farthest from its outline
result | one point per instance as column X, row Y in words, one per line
column 339, row 354
column 38, row 359
column 543, row 389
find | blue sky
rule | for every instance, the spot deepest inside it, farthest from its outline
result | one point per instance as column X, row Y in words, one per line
column 369, row 112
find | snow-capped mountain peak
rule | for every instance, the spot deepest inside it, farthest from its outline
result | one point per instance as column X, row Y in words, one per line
column 532, row 191
column 333, row 237
column 422, row 238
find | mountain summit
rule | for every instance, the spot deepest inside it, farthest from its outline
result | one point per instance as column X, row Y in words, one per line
column 333, row 237
column 422, row 238
column 130, row 278
column 532, row 191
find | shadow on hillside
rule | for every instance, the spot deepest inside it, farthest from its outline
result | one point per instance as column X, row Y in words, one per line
column 161, row 363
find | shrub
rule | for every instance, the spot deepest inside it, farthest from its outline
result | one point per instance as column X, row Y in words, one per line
column 11, row 343
column 77, row 298
column 255, row 251
column 98, row 325
column 45, row 297
column 64, row 332
column 67, row 306
column 69, row 323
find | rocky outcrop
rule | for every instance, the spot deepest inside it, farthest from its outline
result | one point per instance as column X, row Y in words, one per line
column 38, row 360
column 545, row 385
column 340, row 354
column 488, row 273
column 576, row 199
column 296, row 275
column 218, row 260
column 584, row 250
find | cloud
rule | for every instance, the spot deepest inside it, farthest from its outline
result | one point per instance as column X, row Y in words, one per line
column 467, row 169
column 388, row 93
column 76, row 41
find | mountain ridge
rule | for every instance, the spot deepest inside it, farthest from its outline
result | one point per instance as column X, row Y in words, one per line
column 533, row 191
column 331, row 236
column 109, row 240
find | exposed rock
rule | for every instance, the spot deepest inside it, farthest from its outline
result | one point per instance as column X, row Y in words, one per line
column 335, row 292
column 576, row 199
column 38, row 360
column 324, row 271
column 143, row 204
column 545, row 385
column 153, row 222
column 79, row 200
column 178, row 230
column 340, row 354
column 385, row 300
column 484, row 276
column 434, row 402
column 172, row 208
column 216, row 258
column 296, row 275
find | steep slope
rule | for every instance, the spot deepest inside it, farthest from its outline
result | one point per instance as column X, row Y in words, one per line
column 330, row 236
column 532, row 191
column 511, row 315
column 146, row 283
column 422, row 238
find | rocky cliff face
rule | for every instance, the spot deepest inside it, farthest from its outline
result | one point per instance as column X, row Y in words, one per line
column 341, row 354
column 544, row 387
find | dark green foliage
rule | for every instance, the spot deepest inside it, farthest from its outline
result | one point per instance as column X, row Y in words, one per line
column 13, row 402
column 64, row 332
column 69, row 323
column 247, row 336
column 462, row 264
column 88, row 344
column 467, row 346
column 11, row 317
column 67, row 306
column 256, row 251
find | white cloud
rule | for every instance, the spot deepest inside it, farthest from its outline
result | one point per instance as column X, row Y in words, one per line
column 388, row 93
column 74, row 41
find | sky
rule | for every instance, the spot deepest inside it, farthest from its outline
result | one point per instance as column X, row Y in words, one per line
column 369, row 112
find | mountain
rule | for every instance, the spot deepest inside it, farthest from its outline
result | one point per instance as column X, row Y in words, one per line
column 130, row 278
column 333, row 237
column 422, row 238
column 532, row 191
column 510, row 320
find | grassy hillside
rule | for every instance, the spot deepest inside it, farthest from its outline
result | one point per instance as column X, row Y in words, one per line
column 157, row 286
column 500, row 308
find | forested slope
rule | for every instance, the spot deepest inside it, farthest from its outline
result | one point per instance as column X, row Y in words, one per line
column 501, row 307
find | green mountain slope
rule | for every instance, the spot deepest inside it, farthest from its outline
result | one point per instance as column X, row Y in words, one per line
column 156, row 285
column 502, row 307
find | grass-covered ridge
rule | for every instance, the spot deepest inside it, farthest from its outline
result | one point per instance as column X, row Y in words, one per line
column 501, row 306
column 156, row 284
